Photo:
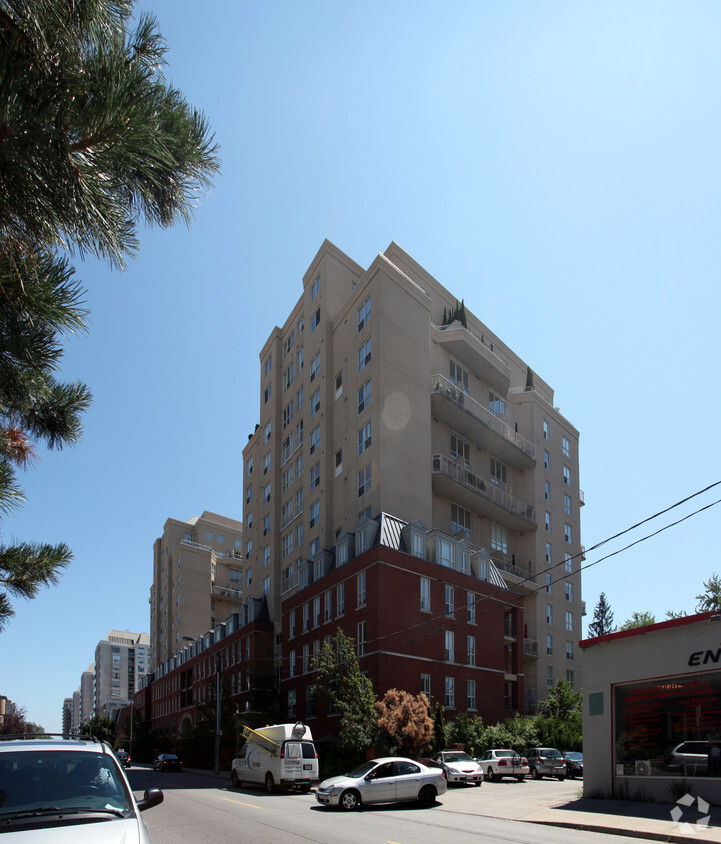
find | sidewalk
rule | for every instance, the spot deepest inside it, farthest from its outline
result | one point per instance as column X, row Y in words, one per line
column 653, row 821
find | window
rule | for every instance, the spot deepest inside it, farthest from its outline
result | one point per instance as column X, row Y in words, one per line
column 425, row 594
column 471, row 608
column 498, row 471
column 287, row 414
column 299, row 466
column 316, row 611
column 328, row 606
column 236, row 576
column 450, row 693
column 306, row 617
column 266, row 463
column 291, row 624
column 548, row 583
column 549, row 645
column 571, row 677
column 549, row 614
column 341, row 554
column 569, row 650
column 547, row 490
column 458, row 375
column 266, row 524
column 460, row 448
column 426, row 685
column 300, row 358
column 549, row 676
column 266, row 493
column 364, row 438
column 249, row 577
column 496, row 404
column 546, row 460
column 569, row 591
column 361, row 638
column 266, row 432
column 268, row 364
column 267, row 393
column 460, row 519
column 364, row 314
column 315, row 289
column 266, row 553
column 300, row 326
column 291, row 664
column 567, row 533
column 548, row 552
column 249, row 493
column 566, row 476
column 315, row 476
column 286, row 479
column 418, row 544
column 315, row 403
column 364, row 396
column 306, row 658
column 545, row 430
column 499, row 538
column 568, row 563
column 314, row 547
column 299, row 535
column 340, row 600
column 361, row 589
column 450, row 609
column 566, row 447
column 315, row 321
column 445, row 553
column 314, row 514
column 364, row 355
column 315, row 367
column 364, row 480
column 250, row 465
column 249, row 520
column 547, row 520
column 450, row 653
column 339, row 384
column 288, row 377
column 471, row 649
column 569, row 620
column 338, row 462
column 266, row 585
column 288, row 344
column 471, row 692
column 314, row 438
column 567, row 504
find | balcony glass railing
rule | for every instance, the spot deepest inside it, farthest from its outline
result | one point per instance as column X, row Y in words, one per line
column 444, row 386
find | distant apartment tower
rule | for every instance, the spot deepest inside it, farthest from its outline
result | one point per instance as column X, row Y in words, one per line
column 67, row 716
column 83, row 699
column 197, row 573
column 121, row 661
column 380, row 395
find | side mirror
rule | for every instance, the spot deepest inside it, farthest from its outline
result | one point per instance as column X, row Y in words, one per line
column 152, row 797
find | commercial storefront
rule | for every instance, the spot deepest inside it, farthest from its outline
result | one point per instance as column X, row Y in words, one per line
column 652, row 711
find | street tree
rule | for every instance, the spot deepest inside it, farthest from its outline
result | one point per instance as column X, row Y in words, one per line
column 348, row 692
column 16, row 723
column 710, row 598
column 93, row 142
column 405, row 720
column 100, row 726
column 602, row 618
column 560, row 721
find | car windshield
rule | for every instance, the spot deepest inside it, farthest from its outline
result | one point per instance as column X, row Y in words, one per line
column 458, row 756
column 361, row 770
column 68, row 780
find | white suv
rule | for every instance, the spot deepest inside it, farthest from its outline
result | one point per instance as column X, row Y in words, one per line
column 50, row 783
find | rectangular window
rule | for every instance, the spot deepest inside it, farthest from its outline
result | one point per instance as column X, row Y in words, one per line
column 450, row 693
column 328, row 606
column 248, row 495
column 547, row 490
column 566, row 447
column 340, row 600
column 426, row 685
column 445, row 553
column 569, row 591
column 315, row 476
column 288, row 377
column 266, row 524
column 315, row 439
column 450, row 608
column 545, row 430
column 266, row 585
column 567, row 533
column 306, row 617
column 314, row 514
column 460, row 519
column 364, row 314
column 549, row 645
column 364, row 396
column 471, row 608
column 315, row 321
column 569, row 650
column 288, row 414
column 471, row 687
column 549, row 676
column 567, row 504
column 568, row 563
column 286, row 479
column 266, row 432
column 315, row 403
column 566, row 476
column 286, row 545
column 266, row 463
column 471, row 648
column 548, row 583
column 316, row 611
column 425, row 594
column 266, row 493
column 569, row 621
column 288, row 344
column 546, row 460
column 498, row 471
column 548, row 552
column 339, row 384
column 291, row 664
column 450, row 653
column 300, row 359
column 364, row 355
column 418, row 543
column 315, row 289
column 291, row 624
column 306, row 658
column 267, row 393
column 268, row 364
column 571, row 677
column 361, row 589
column 460, row 449
column 499, row 538
column 364, row 438
column 458, row 375
column 266, row 556
column 361, row 638
column 364, row 480
column 549, row 614
column 496, row 404
column 315, row 367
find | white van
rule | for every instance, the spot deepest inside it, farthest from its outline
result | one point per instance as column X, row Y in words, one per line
column 282, row 754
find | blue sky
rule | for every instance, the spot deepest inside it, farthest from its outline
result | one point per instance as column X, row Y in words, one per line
column 554, row 164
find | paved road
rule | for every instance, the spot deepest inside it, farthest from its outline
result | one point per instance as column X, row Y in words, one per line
column 199, row 808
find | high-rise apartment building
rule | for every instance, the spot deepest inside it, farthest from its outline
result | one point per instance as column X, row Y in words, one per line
column 380, row 395
column 121, row 662
column 197, row 580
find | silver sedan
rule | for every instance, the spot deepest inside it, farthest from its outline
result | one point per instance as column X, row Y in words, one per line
column 392, row 779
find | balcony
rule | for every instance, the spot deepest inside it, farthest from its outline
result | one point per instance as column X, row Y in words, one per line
column 476, row 422
column 530, row 648
column 227, row 592
column 474, row 353
column 521, row 580
column 452, row 480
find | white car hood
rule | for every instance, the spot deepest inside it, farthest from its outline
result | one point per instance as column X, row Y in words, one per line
column 120, row 831
column 341, row 779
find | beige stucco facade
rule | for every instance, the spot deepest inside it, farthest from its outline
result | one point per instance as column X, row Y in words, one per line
column 369, row 404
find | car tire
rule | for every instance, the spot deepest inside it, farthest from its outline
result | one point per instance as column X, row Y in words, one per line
column 269, row 783
column 349, row 801
column 234, row 779
column 304, row 789
column 560, row 779
column 535, row 775
column 521, row 778
column 427, row 796
column 489, row 774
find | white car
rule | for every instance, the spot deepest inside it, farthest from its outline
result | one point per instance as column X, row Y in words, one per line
column 392, row 779
column 458, row 767
column 503, row 762
column 68, row 790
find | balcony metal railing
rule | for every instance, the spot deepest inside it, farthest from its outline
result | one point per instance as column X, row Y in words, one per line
column 444, row 386
column 227, row 592
column 195, row 544
column 457, row 472
column 296, row 441
column 290, row 515
column 530, row 647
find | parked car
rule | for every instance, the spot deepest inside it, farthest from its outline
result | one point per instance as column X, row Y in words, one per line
column 458, row 767
column 546, row 762
column 574, row 764
column 123, row 757
column 691, row 758
column 49, row 784
column 167, row 762
column 497, row 764
column 392, row 779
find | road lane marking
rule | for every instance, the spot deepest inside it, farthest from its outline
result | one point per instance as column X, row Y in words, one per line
column 240, row 802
